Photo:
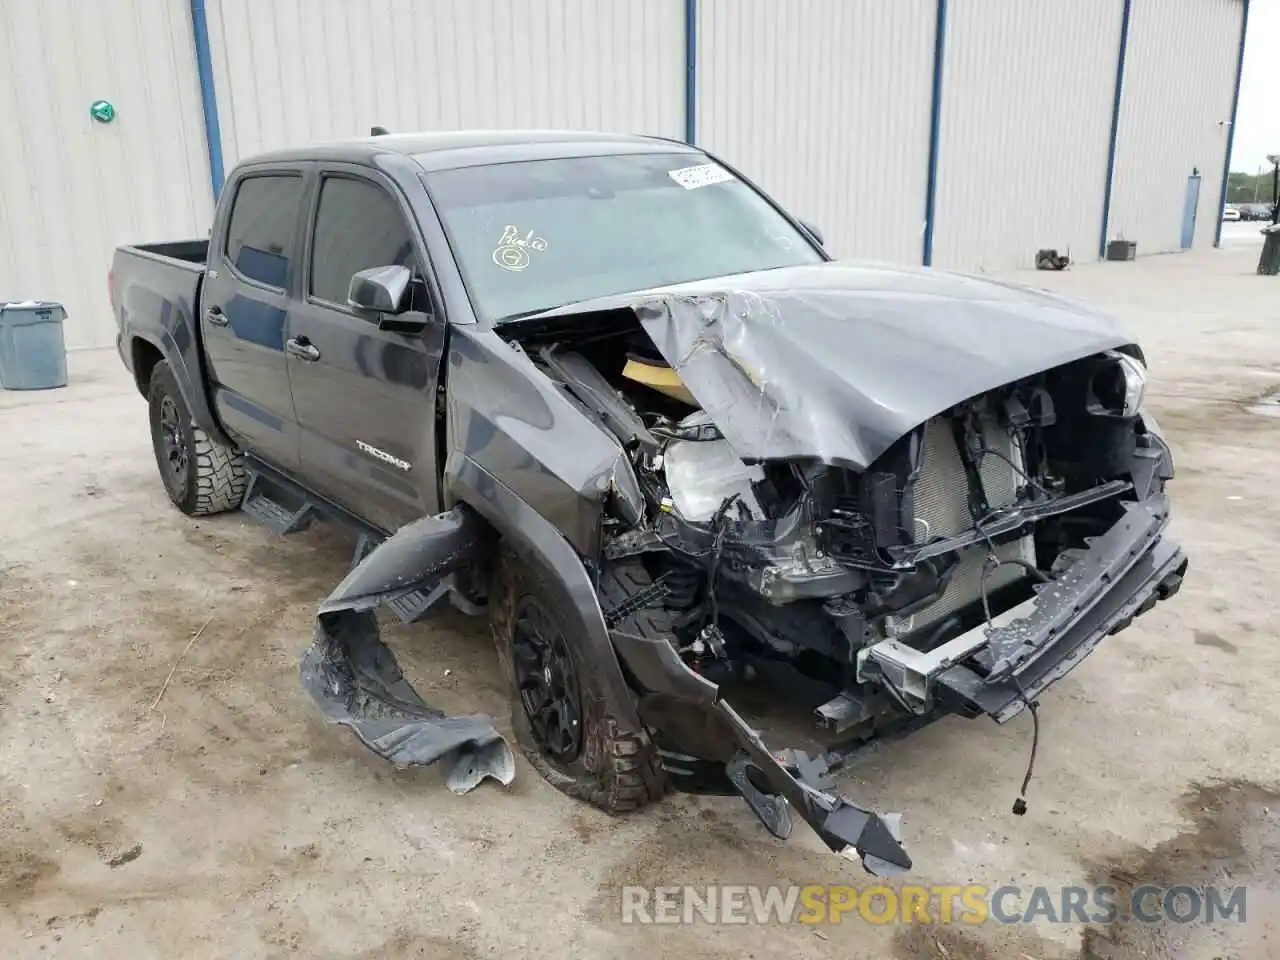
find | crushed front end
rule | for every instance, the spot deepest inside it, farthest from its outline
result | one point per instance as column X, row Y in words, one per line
column 873, row 577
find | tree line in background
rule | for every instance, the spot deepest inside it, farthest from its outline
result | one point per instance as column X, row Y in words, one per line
column 1249, row 187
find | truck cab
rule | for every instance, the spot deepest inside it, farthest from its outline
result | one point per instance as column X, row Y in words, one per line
column 296, row 373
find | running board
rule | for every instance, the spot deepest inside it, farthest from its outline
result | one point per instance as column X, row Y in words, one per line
column 272, row 515
column 285, row 507
column 412, row 606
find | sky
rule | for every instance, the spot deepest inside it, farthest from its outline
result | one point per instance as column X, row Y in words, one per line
column 1258, row 116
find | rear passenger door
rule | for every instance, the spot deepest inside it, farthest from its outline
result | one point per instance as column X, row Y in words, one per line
column 365, row 397
column 252, row 275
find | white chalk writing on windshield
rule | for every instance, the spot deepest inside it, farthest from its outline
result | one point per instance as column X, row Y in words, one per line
column 512, row 252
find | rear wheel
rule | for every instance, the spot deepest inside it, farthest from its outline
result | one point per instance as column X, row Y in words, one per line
column 561, row 711
column 201, row 475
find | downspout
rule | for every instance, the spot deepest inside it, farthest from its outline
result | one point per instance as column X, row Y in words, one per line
column 935, row 127
column 1115, row 129
column 690, row 71
column 209, row 100
column 1231, row 130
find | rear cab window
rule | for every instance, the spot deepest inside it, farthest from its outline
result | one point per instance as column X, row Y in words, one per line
column 358, row 226
column 263, row 228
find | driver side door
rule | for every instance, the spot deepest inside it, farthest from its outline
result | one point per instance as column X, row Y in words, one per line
column 365, row 398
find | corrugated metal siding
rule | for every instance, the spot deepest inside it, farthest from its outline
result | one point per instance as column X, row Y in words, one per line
column 293, row 72
column 825, row 104
column 1179, row 79
column 1027, row 95
column 72, row 189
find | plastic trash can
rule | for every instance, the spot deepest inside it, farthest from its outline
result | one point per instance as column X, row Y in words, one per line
column 33, row 354
column 1269, row 261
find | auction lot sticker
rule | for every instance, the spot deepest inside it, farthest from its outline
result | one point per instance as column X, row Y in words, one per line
column 703, row 175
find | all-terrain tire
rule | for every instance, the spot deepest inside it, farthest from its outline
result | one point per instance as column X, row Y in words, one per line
column 614, row 770
column 213, row 479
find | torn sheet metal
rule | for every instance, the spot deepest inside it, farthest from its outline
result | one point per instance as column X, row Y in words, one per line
column 354, row 677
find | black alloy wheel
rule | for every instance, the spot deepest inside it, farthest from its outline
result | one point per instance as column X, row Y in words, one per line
column 547, row 681
column 174, row 450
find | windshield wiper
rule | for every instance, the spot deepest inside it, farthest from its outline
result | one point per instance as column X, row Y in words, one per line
column 511, row 317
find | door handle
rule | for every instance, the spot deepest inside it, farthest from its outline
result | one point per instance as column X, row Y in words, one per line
column 303, row 349
column 216, row 317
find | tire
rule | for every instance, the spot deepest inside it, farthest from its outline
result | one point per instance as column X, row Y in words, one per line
column 201, row 476
column 609, row 769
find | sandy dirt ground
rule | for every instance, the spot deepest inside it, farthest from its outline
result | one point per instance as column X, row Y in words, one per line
column 227, row 820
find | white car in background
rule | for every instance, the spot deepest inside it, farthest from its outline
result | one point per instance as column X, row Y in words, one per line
column 1230, row 213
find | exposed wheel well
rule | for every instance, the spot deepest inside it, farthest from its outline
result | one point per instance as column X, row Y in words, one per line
column 145, row 356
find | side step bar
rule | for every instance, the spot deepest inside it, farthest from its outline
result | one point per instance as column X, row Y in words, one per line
column 271, row 514
column 285, row 507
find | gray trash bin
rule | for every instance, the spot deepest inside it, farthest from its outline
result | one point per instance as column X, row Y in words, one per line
column 1269, row 261
column 33, row 354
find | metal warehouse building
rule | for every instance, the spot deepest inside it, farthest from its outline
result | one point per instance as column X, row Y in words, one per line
column 961, row 133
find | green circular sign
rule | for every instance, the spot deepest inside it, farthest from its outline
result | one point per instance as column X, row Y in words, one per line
column 102, row 111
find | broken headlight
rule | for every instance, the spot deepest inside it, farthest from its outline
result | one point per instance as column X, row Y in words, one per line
column 1117, row 386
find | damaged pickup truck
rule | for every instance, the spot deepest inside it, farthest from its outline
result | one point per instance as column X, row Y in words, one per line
column 604, row 391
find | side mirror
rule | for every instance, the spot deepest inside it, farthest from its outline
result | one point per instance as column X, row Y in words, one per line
column 379, row 289
column 812, row 231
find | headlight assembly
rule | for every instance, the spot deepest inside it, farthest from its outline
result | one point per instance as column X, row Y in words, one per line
column 1117, row 387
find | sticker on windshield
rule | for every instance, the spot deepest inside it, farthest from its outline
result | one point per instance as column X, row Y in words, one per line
column 703, row 175
column 512, row 252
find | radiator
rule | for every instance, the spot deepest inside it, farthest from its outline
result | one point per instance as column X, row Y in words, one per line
column 941, row 507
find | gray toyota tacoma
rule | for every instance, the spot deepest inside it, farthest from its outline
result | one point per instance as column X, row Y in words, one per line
column 605, row 392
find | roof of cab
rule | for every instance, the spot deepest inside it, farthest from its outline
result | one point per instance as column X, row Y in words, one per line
column 442, row 150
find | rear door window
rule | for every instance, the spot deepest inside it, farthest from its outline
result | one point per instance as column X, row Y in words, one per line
column 263, row 228
column 358, row 226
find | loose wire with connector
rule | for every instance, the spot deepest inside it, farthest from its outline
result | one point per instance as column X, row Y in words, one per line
column 991, row 563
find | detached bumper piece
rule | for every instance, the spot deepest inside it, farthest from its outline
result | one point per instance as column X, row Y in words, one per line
column 691, row 703
column 355, row 680
column 846, row 828
column 1122, row 575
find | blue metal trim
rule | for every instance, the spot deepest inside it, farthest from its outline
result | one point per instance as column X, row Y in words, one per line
column 1231, row 131
column 1115, row 129
column 204, row 65
column 935, row 128
column 690, row 71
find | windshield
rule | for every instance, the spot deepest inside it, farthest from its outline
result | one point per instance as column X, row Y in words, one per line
column 538, row 234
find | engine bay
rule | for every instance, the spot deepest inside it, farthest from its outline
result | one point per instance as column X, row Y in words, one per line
column 807, row 573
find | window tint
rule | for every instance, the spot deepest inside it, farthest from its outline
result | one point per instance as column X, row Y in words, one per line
column 263, row 223
column 358, row 226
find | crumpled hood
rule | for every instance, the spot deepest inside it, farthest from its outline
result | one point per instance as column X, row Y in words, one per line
column 837, row 361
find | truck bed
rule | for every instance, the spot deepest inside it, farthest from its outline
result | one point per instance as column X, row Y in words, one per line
column 156, row 295
column 187, row 251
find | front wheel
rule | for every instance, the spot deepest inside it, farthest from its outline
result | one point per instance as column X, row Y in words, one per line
column 201, row 476
column 561, row 711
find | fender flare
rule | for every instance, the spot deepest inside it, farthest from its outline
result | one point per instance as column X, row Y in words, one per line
column 537, row 541
column 193, row 392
